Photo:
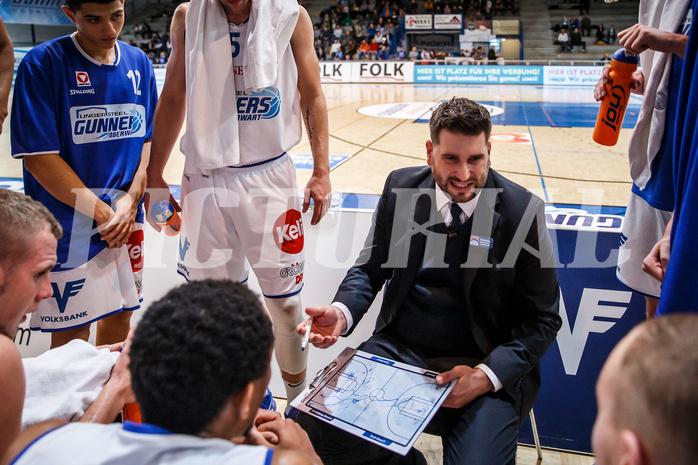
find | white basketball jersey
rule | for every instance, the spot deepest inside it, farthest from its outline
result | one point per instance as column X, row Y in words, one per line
column 94, row 444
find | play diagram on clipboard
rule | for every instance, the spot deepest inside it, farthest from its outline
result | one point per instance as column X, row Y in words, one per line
column 385, row 402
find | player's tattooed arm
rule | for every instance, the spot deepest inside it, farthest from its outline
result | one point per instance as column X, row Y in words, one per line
column 314, row 108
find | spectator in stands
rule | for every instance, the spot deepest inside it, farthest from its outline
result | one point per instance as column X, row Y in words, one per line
column 400, row 53
column 326, row 35
column 563, row 40
column 492, row 54
column 605, row 60
column 338, row 31
column 336, row 50
column 320, row 52
column 564, row 23
column 364, row 50
column 601, row 35
column 429, row 6
column 7, row 63
column 373, row 48
column 611, row 35
column 371, row 31
column 586, row 26
column 574, row 23
column 378, row 36
column 349, row 35
column 350, row 50
column 361, row 33
column 576, row 39
column 499, row 8
column 584, row 7
column 414, row 54
column 146, row 31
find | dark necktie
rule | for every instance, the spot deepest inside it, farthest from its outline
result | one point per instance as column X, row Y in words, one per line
column 455, row 217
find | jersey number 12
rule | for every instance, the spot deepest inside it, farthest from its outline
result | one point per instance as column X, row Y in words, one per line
column 135, row 80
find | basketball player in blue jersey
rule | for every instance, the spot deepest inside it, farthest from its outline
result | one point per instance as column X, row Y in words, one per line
column 245, row 74
column 660, row 39
column 7, row 64
column 81, row 122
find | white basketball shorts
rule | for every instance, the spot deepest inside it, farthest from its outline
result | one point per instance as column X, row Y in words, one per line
column 237, row 216
column 109, row 283
column 643, row 226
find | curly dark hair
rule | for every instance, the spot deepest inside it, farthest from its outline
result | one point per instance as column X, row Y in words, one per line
column 462, row 116
column 200, row 344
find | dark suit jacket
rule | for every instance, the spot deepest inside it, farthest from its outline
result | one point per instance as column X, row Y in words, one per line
column 512, row 301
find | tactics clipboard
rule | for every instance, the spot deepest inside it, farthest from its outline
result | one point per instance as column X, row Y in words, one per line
column 385, row 402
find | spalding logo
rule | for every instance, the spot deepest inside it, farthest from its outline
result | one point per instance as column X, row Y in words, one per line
column 614, row 114
column 288, row 232
column 135, row 250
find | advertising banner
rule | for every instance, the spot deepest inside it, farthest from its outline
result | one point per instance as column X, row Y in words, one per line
column 382, row 71
column 448, row 22
column 597, row 311
column 445, row 43
column 40, row 12
column 335, row 71
column 417, row 22
column 572, row 75
column 478, row 74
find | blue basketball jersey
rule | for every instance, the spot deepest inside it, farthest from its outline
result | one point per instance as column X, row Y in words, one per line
column 95, row 116
column 659, row 190
column 681, row 279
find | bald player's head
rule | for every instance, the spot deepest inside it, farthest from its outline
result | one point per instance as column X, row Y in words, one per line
column 647, row 396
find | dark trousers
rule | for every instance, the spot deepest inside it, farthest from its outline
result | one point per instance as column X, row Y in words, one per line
column 484, row 432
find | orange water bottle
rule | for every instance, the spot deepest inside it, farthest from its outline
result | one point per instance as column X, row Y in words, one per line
column 131, row 412
column 610, row 118
column 165, row 215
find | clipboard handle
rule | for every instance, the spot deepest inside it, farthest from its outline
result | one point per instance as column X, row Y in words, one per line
column 322, row 374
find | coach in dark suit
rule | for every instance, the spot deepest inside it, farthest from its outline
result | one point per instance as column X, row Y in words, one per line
column 471, row 293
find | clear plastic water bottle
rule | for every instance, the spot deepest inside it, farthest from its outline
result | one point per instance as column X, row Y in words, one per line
column 613, row 106
column 165, row 215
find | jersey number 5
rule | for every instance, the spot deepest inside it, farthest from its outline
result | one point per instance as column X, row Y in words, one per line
column 234, row 43
column 135, row 80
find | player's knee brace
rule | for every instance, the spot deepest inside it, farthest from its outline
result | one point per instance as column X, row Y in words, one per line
column 287, row 313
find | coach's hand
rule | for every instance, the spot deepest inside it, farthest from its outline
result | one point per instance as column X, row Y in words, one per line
column 328, row 325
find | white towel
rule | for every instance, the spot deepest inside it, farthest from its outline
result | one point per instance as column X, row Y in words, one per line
column 277, row 20
column 212, row 130
column 63, row 382
column 649, row 130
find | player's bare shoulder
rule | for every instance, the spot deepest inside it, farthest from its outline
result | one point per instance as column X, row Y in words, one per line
column 180, row 15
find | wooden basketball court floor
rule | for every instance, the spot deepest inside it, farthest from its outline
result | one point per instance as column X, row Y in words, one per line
column 556, row 160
